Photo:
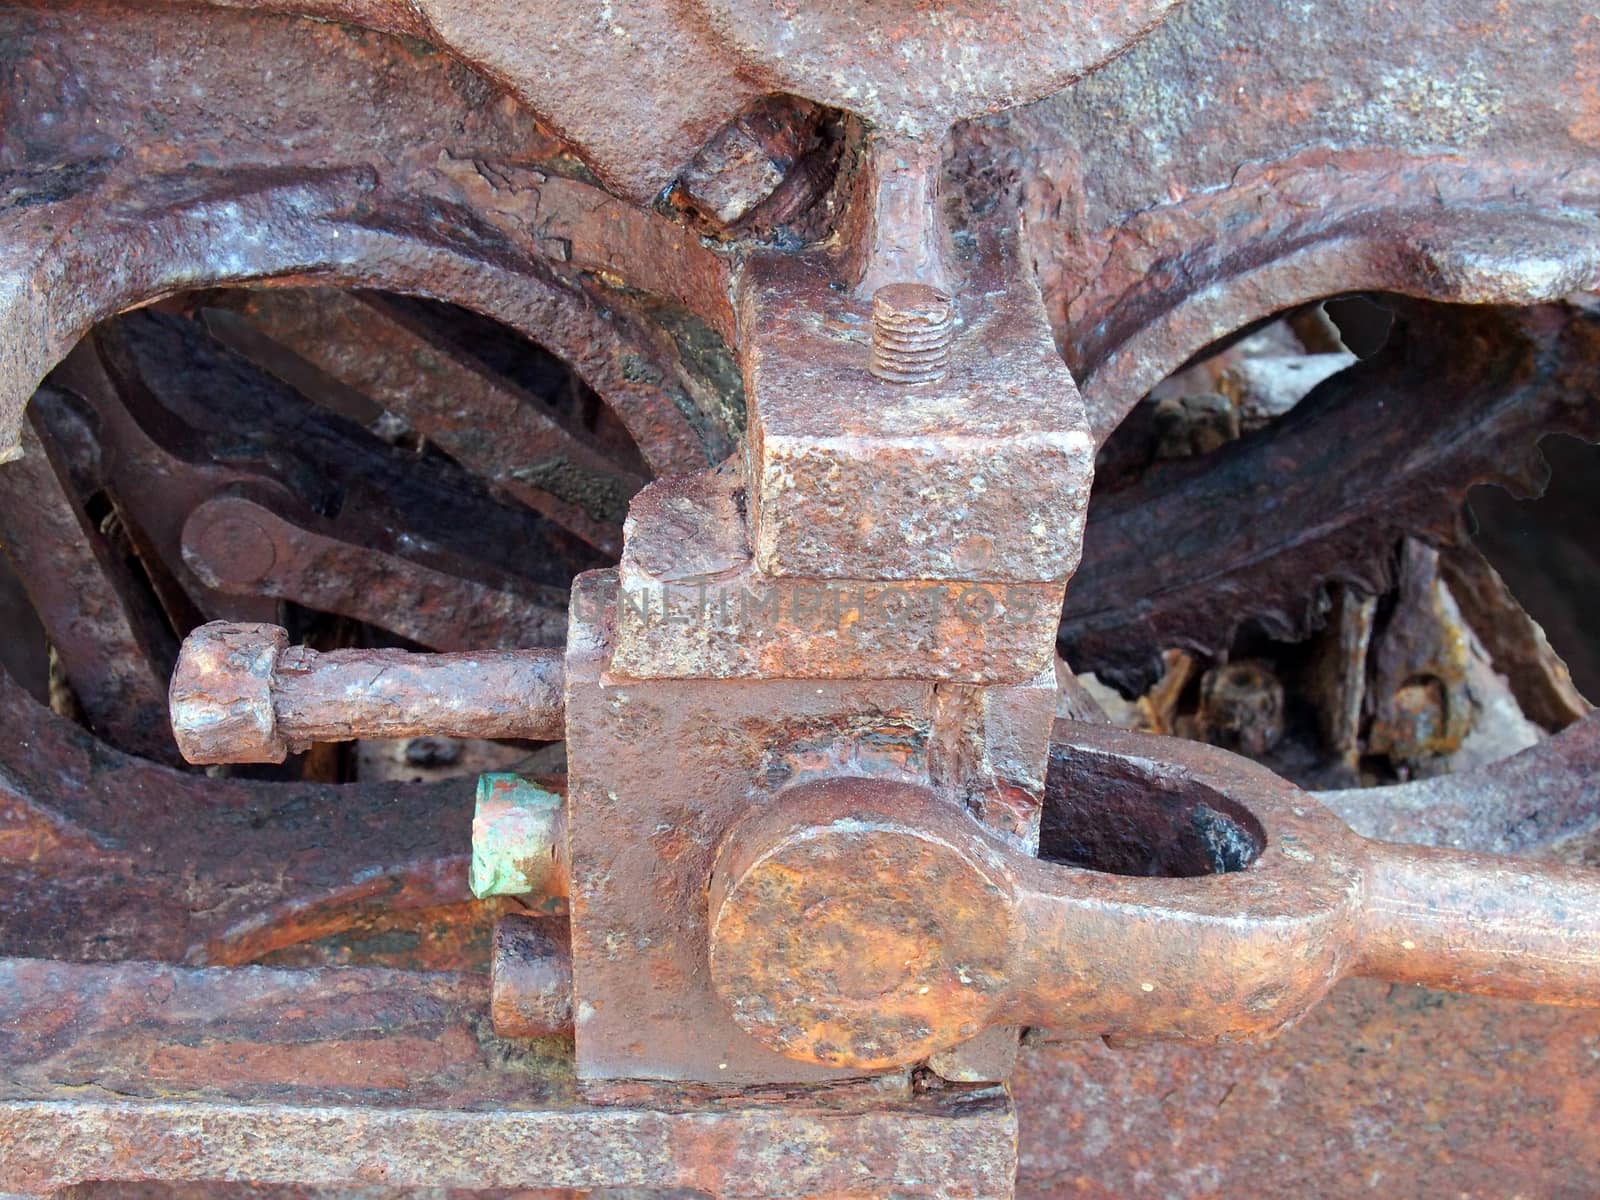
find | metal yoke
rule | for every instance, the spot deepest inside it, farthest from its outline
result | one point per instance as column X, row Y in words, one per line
column 874, row 595
column 871, row 591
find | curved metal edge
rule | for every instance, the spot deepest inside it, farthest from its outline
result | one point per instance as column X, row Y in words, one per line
column 1458, row 232
column 75, row 262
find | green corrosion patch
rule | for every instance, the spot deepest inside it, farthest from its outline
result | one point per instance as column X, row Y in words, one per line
column 515, row 829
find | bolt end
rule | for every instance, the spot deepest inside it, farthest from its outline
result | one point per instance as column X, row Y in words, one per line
column 519, row 842
column 531, row 978
column 912, row 325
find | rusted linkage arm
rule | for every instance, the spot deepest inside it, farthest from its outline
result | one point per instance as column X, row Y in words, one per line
column 1478, row 923
column 869, row 923
column 241, row 694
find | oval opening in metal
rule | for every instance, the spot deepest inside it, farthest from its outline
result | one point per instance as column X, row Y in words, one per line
column 1108, row 814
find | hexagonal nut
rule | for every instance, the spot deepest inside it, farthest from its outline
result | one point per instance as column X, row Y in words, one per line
column 221, row 694
column 519, row 842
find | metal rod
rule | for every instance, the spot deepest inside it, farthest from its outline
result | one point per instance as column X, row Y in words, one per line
column 241, row 694
column 1476, row 923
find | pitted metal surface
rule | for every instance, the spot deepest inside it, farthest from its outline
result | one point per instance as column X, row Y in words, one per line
column 744, row 579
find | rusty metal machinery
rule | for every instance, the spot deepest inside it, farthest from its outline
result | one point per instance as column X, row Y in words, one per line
column 730, row 425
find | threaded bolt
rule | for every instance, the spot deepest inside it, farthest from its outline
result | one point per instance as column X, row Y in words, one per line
column 912, row 324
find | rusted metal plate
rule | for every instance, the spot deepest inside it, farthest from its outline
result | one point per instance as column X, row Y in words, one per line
column 1382, row 1088
column 108, row 857
column 138, row 1071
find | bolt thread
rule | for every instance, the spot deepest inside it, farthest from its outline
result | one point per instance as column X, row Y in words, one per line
column 912, row 325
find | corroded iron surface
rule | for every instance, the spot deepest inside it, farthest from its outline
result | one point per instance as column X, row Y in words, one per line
column 325, row 1077
column 111, row 858
column 1381, row 1087
column 241, row 693
column 716, row 390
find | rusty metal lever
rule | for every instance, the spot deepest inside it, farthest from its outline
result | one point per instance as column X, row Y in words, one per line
column 241, row 546
column 241, row 694
column 866, row 923
column 1478, row 923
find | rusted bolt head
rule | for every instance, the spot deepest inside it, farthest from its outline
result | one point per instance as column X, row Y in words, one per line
column 531, row 978
column 519, row 841
column 221, row 694
column 848, row 929
column 748, row 158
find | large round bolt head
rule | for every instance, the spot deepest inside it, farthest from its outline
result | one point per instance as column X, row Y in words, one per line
column 847, row 930
column 221, row 694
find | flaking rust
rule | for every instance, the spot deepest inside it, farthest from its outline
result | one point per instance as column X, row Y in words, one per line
column 751, row 576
